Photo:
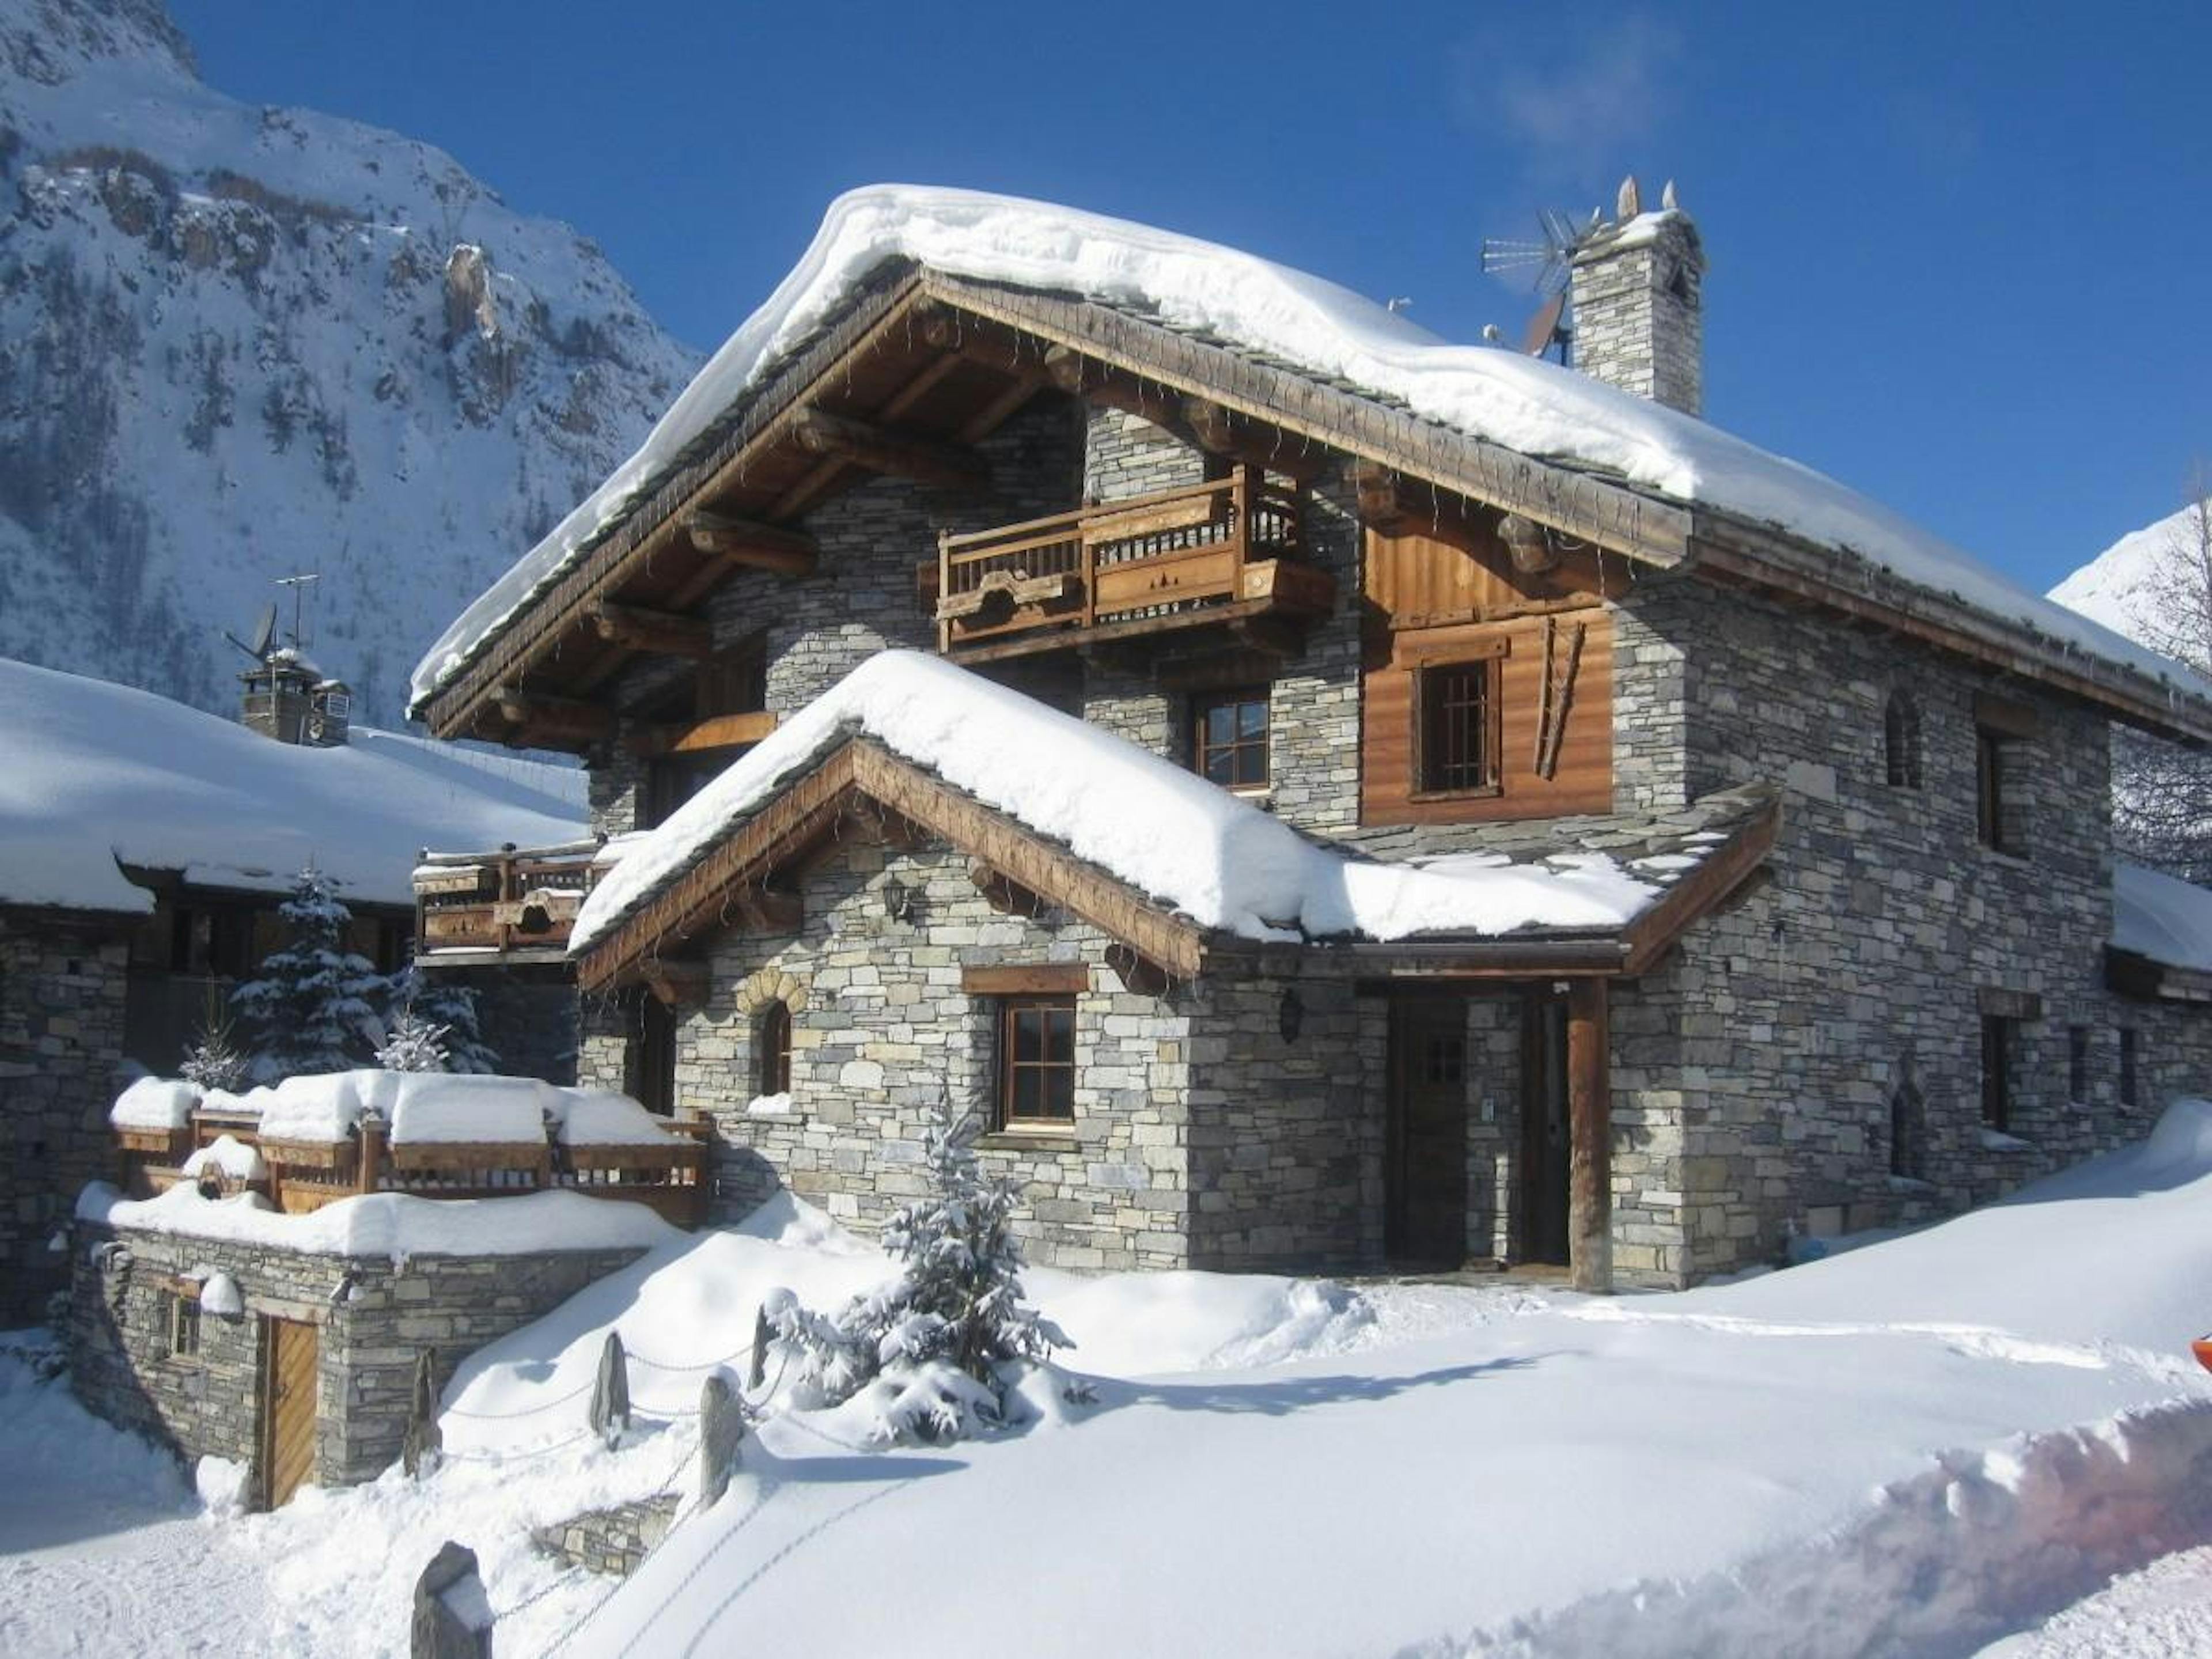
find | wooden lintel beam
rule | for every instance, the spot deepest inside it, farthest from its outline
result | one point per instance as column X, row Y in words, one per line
column 702, row 737
column 661, row 631
column 567, row 716
column 884, row 449
column 752, row 543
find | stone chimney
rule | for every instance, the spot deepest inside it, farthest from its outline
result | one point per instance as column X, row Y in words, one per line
column 1636, row 285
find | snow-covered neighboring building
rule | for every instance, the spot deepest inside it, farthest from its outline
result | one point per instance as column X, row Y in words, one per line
column 144, row 846
column 1433, row 804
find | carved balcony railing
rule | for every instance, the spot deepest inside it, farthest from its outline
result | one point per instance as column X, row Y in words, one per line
column 515, row 905
column 1223, row 552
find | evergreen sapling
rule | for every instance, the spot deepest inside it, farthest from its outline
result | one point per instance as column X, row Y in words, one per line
column 315, row 1006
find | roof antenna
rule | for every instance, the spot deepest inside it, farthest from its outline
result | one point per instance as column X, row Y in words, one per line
column 298, row 585
column 1551, row 260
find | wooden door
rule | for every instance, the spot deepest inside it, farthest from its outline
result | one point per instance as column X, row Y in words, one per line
column 288, row 1412
column 1546, row 1138
column 1426, row 1163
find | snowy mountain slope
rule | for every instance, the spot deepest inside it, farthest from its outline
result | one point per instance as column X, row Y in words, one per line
column 239, row 342
column 2118, row 587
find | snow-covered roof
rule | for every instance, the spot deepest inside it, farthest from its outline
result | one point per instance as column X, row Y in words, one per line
column 1192, row 848
column 1524, row 404
column 95, row 775
column 2162, row 918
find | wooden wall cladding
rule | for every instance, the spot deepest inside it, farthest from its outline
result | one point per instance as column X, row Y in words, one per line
column 1450, row 594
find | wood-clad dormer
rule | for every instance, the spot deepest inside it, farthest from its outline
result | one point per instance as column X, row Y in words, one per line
column 1486, row 680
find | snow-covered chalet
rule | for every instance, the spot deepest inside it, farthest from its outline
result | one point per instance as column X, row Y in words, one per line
column 1322, row 796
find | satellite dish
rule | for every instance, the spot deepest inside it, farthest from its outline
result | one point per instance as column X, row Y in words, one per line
column 1544, row 328
column 264, row 632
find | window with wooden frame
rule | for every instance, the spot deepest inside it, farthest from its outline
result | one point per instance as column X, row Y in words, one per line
column 180, row 1315
column 649, row 1051
column 1229, row 738
column 772, row 1050
column 1036, row 1061
column 1456, row 728
column 1997, row 1045
column 2002, row 732
column 2130, row 1065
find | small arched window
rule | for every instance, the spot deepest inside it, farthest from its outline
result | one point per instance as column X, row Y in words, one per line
column 772, row 1047
column 1900, row 732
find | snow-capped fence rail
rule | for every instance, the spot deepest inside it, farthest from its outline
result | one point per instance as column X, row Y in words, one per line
column 321, row 1140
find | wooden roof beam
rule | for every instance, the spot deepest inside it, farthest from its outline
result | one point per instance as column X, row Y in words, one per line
column 878, row 448
column 661, row 631
column 752, row 544
column 1075, row 373
column 677, row 984
column 556, row 722
column 1220, row 433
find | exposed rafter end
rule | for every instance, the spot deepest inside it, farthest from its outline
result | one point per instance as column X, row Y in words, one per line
column 676, row 984
column 557, row 722
column 752, row 544
column 1139, row 974
column 885, row 449
column 662, row 631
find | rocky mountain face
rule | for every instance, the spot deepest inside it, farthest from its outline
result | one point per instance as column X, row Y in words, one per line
column 240, row 342
column 2129, row 587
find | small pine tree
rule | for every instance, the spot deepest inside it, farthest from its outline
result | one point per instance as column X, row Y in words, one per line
column 452, row 1008
column 937, row 1345
column 413, row 1044
column 213, row 1061
column 315, row 1006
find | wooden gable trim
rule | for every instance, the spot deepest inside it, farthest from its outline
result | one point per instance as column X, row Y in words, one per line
column 2137, row 977
column 730, row 884
column 654, row 525
column 1649, row 935
column 1588, row 507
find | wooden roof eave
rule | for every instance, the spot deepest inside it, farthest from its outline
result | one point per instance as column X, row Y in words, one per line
column 650, row 525
column 700, row 901
column 1763, row 557
column 2144, row 979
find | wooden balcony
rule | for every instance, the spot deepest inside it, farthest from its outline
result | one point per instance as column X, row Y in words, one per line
column 515, row 906
column 1222, row 553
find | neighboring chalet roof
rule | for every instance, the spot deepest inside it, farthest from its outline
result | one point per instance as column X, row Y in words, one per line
column 1311, row 360
column 95, row 777
column 1157, row 856
column 2161, row 935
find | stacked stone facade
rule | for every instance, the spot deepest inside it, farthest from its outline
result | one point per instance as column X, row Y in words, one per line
column 1808, row 1057
column 63, row 986
column 1639, row 309
column 373, row 1319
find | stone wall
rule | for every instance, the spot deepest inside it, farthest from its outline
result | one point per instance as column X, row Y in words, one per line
column 882, row 1032
column 63, row 984
column 1756, row 1069
column 615, row 1541
column 372, row 1320
column 1286, row 1133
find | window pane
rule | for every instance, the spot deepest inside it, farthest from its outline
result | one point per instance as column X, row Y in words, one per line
column 1060, row 1047
column 1027, row 1090
column 1221, row 765
column 1029, row 1036
column 1220, row 725
column 1251, row 718
column 1059, row 1092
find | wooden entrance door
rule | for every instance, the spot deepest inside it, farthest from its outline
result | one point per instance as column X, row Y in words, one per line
column 288, row 1410
column 1546, row 1136
column 1424, row 1217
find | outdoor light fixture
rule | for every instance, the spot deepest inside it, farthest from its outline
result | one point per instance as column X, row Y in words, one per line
column 898, row 899
column 1532, row 549
column 1290, row 1015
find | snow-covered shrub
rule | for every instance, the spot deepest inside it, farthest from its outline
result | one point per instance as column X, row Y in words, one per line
column 940, row 1350
column 413, row 1044
column 438, row 1001
column 214, row 1060
column 315, row 1006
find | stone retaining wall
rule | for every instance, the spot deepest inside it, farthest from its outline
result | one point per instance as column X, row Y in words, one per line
column 613, row 1541
column 372, row 1320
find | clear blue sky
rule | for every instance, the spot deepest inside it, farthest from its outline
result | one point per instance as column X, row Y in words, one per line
column 1959, row 254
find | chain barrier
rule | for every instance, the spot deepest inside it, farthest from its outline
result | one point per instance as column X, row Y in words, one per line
column 527, row 1411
